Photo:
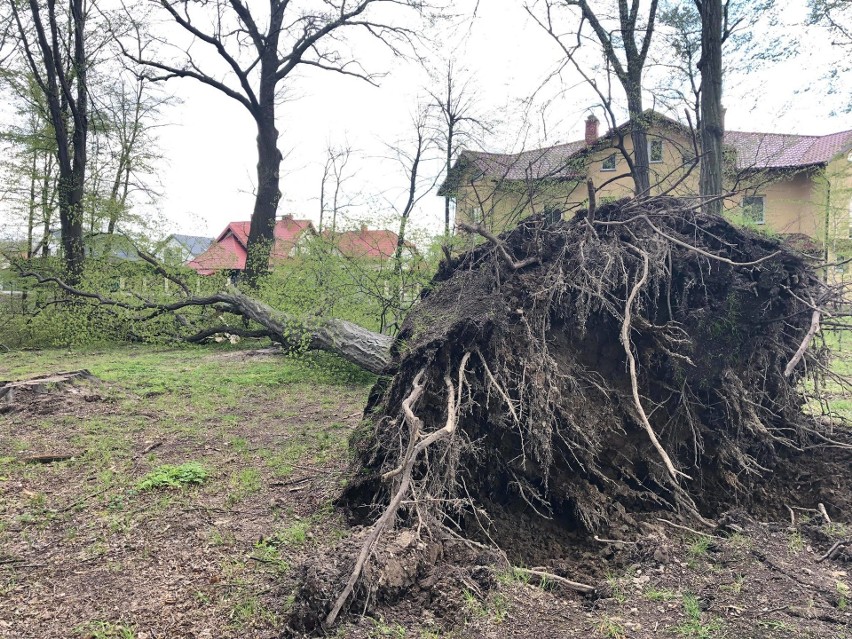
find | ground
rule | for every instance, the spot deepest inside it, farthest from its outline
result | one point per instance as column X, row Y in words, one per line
column 255, row 447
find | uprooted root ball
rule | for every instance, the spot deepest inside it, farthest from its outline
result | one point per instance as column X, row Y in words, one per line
column 702, row 315
column 565, row 377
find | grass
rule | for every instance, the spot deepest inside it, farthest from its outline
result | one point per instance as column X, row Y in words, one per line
column 693, row 626
column 795, row 542
column 168, row 476
column 243, row 483
column 383, row 629
column 611, row 629
column 495, row 607
column 843, row 592
column 249, row 611
column 105, row 630
column 699, row 547
column 735, row 587
column 662, row 594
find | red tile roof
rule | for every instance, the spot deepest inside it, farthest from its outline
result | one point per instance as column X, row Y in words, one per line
column 377, row 244
column 777, row 150
column 753, row 150
column 228, row 252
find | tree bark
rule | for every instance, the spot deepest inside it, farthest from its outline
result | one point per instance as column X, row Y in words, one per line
column 450, row 142
column 712, row 126
column 262, row 231
column 32, row 206
column 639, row 135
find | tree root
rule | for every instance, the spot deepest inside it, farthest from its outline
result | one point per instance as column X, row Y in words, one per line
column 404, row 470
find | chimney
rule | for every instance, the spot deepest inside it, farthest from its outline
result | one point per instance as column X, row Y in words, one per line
column 288, row 217
column 591, row 129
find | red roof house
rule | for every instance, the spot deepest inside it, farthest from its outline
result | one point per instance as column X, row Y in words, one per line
column 375, row 244
column 228, row 252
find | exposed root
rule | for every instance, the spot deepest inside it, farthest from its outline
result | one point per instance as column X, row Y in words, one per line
column 800, row 352
column 634, row 382
column 405, row 470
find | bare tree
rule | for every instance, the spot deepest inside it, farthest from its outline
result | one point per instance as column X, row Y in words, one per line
column 28, row 161
column 258, row 56
column 334, row 172
column 129, row 112
column 625, row 41
column 411, row 157
column 459, row 123
column 53, row 43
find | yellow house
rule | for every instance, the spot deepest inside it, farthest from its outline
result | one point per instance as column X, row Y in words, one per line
column 797, row 185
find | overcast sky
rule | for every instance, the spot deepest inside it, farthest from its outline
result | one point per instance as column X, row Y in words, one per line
column 207, row 176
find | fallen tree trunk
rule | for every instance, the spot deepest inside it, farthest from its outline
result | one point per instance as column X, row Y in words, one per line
column 360, row 346
column 356, row 344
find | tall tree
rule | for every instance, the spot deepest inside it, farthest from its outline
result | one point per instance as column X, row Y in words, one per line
column 53, row 43
column 258, row 57
column 712, row 127
column 836, row 16
column 459, row 125
column 625, row 41
column 411, row 157
column 128, row 112
column 28, row 161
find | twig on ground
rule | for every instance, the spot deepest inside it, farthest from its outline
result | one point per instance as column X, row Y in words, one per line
column 614, row 541
column 573, row 585
column 81, row 501
column 822, row 511
column 151, row 447
column 792, row 516
column 834, row 550
column 49, row 459
column 687, row 528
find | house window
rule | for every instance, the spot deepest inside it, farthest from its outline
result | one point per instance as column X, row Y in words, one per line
column 754, row 209
column 655, row 150
column 609, row 163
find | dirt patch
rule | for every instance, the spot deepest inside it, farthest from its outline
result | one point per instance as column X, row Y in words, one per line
column 49, row 394
column 765, row 580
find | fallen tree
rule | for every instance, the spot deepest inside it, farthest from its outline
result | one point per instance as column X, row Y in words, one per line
column 364, row 348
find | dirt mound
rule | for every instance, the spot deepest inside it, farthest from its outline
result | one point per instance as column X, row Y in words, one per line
column 566, row 378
